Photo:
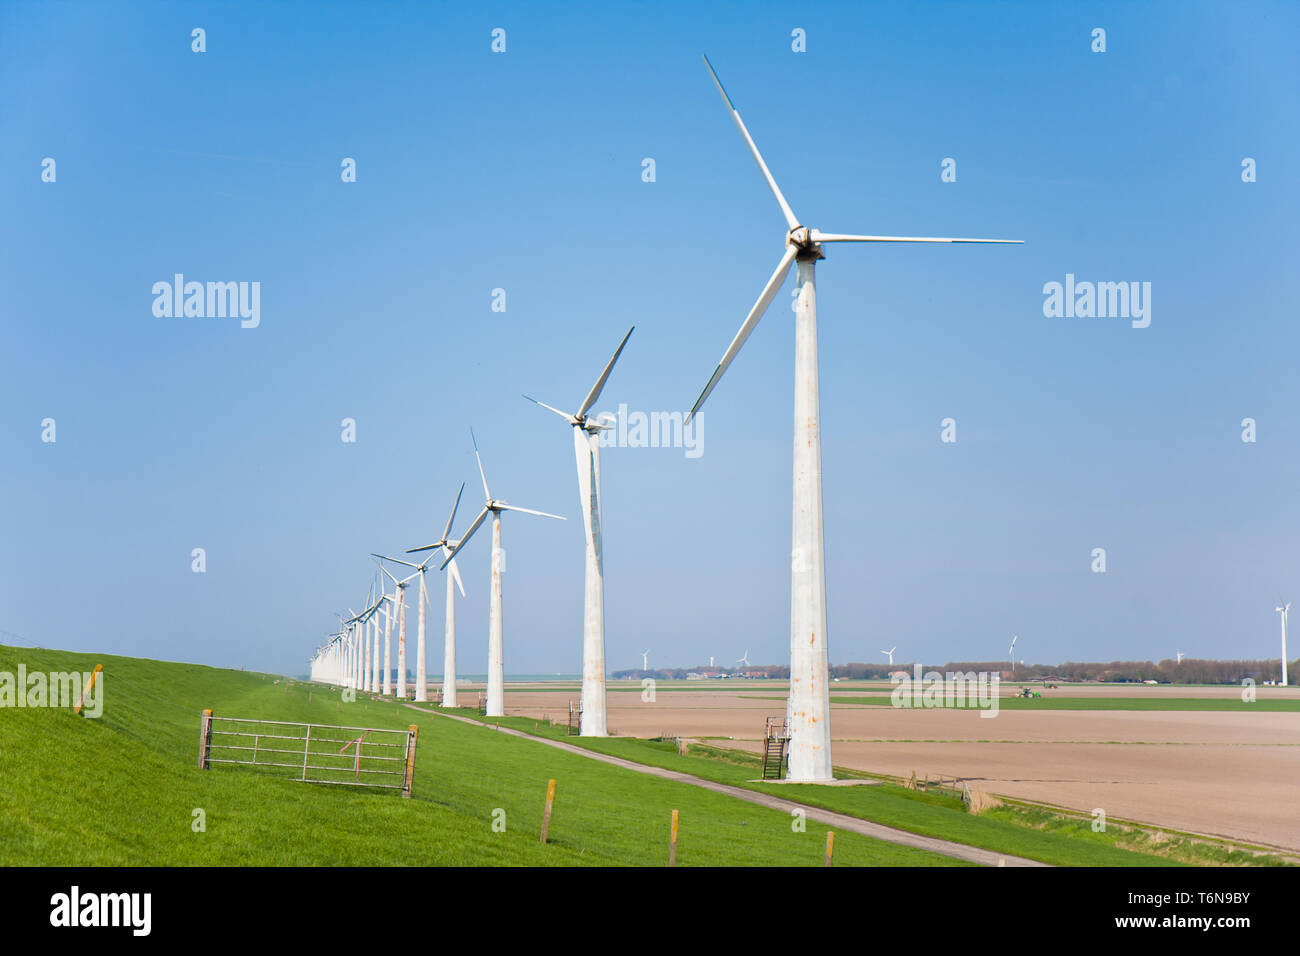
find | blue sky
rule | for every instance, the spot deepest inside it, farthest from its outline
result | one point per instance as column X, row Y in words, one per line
column 522, row 171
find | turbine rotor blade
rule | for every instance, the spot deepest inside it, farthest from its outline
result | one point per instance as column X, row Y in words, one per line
column 596, row 389
column 455, row 573
column 486, row 494
column 565, row 415
column 468, row 534
column 818, row 236
column 786, row 211
column 447, row 530
column 751, row 320
column 427, row 547
column 545, row 514
column 394, row 560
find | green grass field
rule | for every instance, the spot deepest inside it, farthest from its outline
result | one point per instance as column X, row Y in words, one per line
column 122, row 789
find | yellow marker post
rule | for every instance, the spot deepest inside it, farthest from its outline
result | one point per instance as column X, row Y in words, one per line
column 672, row 842
column 830, row 845
column 89, row 685
column 546, row 814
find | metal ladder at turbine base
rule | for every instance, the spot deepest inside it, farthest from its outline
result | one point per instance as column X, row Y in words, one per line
column 776, row 738
column 575, row 718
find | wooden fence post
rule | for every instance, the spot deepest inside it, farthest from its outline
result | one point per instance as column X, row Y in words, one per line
column 672, row 842
column 546, row 814
column 830, row 845
column 205, row 738
column 412, row 737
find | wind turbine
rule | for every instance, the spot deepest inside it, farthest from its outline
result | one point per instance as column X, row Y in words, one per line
column 1283, row 608
column 421, row 659
column 368, row 661
column 890, row 652
column 399, row 600
column 809, row 703
column 743, row 658
column 586, row 449
column 1011, row 652
column 645, row 659
column 496, row 683
column 449, row 634
column 1180, row 657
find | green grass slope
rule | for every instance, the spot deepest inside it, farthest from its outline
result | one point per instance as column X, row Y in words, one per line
column 123, row 788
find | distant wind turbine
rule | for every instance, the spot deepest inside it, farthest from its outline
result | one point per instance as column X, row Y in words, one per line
column 496, row 682
column 645, row 659
column 744, row 658
column 1012, row 652
column 421, row 651
column 1283, row 609
column 400, row 601
column 808, row 706
column 890, row 652
column 1180, row 657
column 446, row 545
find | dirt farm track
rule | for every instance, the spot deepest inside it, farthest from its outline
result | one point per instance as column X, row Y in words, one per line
column 1225, row 773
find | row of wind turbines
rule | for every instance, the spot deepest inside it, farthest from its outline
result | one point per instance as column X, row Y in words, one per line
column 351, row 658
column 808, row 705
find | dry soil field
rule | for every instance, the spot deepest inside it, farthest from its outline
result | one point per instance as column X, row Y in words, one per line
column 1233, row 774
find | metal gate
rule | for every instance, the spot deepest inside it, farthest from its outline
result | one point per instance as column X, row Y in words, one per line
column 313, row 753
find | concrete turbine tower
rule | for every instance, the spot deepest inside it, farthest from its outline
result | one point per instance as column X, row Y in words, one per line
column 586, row 448
column 809, row 703
column 387, row 603
column 445, row 545
column 496, row 683
column 1011, row 652
column 1283, row 609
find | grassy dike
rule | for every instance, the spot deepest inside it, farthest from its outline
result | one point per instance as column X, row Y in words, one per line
column 123, row 788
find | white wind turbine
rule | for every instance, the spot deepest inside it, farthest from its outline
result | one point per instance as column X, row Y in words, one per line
column 446, row 546
column 586, row 449
column 1011, row 652
column 1283, row 609
column 1180, row 657
column 398, row 600
column 809, row 704
column 496, row 682
column 890, row 653
column 645, row 659
column 421, row 654
column 386, row 603
column 371, row 655
column 743, row 658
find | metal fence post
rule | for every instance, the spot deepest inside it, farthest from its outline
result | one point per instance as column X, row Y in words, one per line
column 205, row 738
column 306, row 751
